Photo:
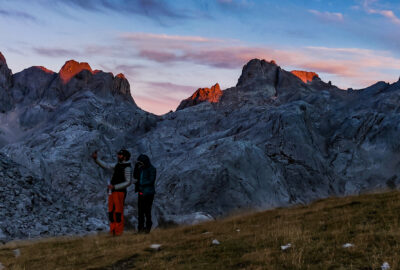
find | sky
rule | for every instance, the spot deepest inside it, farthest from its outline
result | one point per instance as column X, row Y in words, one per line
column 169, row 49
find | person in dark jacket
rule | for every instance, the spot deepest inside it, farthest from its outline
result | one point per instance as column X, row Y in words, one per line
column 120, row 180
column 145, row 173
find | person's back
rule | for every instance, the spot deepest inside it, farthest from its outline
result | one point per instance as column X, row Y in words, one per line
column 145, row 173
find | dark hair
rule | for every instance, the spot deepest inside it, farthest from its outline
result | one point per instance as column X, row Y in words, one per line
column 145, row 159
column 125, row 153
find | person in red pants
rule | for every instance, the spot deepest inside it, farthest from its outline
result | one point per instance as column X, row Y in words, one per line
column 120, row 180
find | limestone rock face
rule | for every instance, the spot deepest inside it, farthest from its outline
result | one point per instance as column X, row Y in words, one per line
column 305, row 76
column 121, row 87
column 31, row 84
column 259, row 75
column 5, row 73
column 212, row 95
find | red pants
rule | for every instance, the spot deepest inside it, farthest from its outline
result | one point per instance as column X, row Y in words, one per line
column 116, row 212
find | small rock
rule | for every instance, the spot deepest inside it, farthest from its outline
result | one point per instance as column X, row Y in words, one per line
column 17, row 252
column 238, row 230
column 348, row 245
column 206, row 232
column 385, row 266
column 286, row 246
column 215, row 242
column 2, row 266
column 155, row 246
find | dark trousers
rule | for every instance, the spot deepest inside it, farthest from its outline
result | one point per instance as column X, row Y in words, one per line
column 145, row 202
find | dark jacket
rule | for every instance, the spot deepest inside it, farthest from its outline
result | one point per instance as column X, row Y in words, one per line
column 119, row 175
column 145, row 175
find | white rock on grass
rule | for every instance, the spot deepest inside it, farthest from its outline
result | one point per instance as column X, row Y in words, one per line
column 17, row 252
column 155, row 246
column 385, row 266
column 2, row 266
column 348, row 245
column 286, row 246
column 238, row 230
column 215, row 242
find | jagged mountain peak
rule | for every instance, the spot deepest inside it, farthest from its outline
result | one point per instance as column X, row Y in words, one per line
column 305, row 76
column 5, row 75
column 121, row 76
column 71, row 68
column 2, row 59
column 257, row 69
column 211, row 95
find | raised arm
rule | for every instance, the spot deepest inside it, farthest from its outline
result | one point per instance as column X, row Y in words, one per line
column 104, row 165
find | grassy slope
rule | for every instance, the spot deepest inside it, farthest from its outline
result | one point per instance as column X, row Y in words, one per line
column 316, row 232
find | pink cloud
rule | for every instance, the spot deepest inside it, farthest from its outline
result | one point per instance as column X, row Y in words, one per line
column 164, row 37
column 166, row 87
column 339, row 68
column 389, row 14
column 227, row 57
column 159, row 56
column 56, row 52
column 328, row 16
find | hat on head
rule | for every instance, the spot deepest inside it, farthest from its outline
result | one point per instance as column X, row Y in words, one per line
column 125, row 153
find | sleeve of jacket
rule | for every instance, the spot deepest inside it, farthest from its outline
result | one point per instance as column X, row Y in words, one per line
column 104, row 165
column 127, row 181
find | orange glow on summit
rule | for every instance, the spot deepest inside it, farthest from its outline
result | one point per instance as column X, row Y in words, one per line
column 71, row 68
column 305, row 76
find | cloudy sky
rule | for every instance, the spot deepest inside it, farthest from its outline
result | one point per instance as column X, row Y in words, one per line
column 168, row 49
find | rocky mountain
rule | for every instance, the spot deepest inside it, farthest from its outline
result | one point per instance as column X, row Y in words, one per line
column 54, row 122
column 271, row 140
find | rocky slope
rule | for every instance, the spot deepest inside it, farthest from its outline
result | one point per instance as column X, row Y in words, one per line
column 272, row 140
column 31, row 207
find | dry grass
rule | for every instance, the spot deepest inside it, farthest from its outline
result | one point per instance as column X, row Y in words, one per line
column 316, row 232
